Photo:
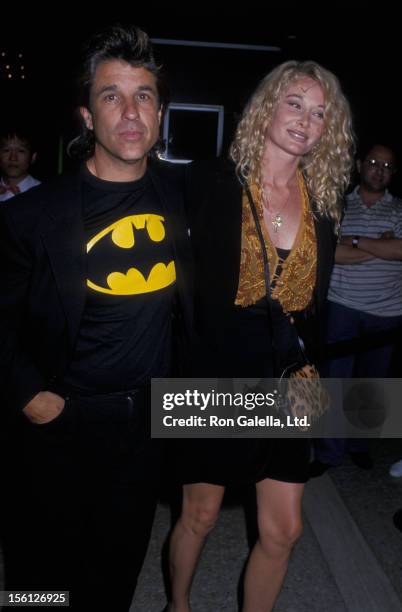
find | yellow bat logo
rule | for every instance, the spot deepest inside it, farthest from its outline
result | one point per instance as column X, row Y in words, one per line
column 133, row 282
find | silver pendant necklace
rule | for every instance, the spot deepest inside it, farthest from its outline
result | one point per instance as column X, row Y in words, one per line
column 277, row 221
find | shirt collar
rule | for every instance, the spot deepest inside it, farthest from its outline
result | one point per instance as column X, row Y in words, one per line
column 387, row 198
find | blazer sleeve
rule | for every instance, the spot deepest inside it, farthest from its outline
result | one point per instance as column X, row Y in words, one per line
column 20, row 378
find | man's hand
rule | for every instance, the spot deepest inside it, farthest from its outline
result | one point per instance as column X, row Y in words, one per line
column 348, row 255
column 44, row 407
column 386, row 247
column 346, row 240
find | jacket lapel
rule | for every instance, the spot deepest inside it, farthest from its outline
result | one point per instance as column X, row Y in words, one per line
column 326, row 243
column 168, row 183
column 63, row 238
column 227, row 215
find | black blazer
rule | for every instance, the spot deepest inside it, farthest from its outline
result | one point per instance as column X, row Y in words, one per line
column 214, row 199
column 43, row 271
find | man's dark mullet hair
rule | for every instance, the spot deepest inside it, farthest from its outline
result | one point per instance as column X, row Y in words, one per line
column 126, row 43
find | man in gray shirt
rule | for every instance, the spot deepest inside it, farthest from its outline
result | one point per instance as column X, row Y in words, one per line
column 365, row 293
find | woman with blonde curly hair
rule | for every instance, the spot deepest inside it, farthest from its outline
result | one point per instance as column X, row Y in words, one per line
column 290, row 160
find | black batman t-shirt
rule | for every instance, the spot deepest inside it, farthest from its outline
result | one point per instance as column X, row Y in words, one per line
column 125, row 332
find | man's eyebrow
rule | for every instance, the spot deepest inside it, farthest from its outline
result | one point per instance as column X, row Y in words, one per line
column 147, row 88
column 106, row 88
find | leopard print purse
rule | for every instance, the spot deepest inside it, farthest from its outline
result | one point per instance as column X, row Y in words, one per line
column 301, row 393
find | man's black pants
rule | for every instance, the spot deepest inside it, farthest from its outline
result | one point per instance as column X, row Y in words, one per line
column 82, row 501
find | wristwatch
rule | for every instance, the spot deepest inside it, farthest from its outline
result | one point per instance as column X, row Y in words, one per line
column 355, row 241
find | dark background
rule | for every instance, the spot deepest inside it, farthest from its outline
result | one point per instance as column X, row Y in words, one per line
column 361, row 44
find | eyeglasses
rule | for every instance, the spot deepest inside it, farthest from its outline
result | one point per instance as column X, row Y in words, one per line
column 375, row 163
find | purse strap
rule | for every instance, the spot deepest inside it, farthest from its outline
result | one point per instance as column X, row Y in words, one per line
column 267, row 277
column 262, row 243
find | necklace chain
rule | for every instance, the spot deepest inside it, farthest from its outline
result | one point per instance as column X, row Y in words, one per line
column 276, row 217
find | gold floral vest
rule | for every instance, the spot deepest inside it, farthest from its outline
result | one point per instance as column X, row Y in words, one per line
column 292, row 280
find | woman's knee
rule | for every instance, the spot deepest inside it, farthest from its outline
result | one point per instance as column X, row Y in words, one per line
column 282, row 535
column 200, row 516
column 279, row 515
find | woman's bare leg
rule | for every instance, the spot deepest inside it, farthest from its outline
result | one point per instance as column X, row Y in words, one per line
column 279, row 526
column 201, row 505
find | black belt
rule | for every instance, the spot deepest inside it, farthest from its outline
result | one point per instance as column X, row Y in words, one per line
column 68, row 393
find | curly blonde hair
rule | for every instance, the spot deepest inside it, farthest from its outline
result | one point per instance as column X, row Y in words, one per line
column 327, row 167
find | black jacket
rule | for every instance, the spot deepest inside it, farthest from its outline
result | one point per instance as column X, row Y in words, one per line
column 43, row 271
column 214, row 199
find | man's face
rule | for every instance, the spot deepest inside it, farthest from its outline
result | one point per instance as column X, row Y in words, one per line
column 377, row 168
column 15, row 159
column 124, row 115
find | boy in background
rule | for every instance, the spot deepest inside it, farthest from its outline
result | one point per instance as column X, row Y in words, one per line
column 16, row 157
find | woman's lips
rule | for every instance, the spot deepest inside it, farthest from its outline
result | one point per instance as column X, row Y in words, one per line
column 299, row 136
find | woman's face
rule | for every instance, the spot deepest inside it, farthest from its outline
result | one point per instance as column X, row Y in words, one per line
column 298, row 120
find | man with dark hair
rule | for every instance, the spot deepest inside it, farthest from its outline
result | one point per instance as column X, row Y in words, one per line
column 128, row 45
column 16, row 157
column 365, row 293
column 93, row 273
